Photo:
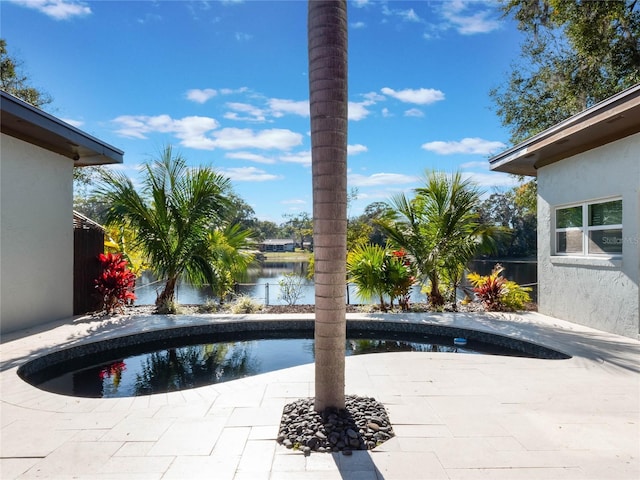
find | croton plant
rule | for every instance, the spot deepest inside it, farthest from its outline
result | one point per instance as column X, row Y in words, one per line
column 116, row 283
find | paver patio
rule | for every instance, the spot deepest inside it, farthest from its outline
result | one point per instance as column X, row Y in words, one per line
column 455, row 416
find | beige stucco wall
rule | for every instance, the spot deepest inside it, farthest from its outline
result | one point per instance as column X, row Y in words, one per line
column 599, row 293
column 36, row 235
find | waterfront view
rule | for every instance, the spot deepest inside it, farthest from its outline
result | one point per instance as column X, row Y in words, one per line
column 261, row 283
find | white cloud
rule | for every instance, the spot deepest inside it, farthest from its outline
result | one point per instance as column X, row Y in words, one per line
column 421, row 96
column 57, row 9
column 356, row 149
column 190, row 130
column 470, row 146
column 230, row 91
column 239, row 138
column 357, row 180
column 251, row 113
column 358, row 25
column 248, row 174
column 484, row 165
column 74, row 123
column 386, row 112
column 409, row 15
column 243, row 37
column 303, row 158
column 358, row 111
column 467, row 23
column 360, row 3
column 414, row 112
column 373, row 97
column 406, row 15
column 491, row 179
column 294, row 201
column 280, row 107
column 201, row 95
column 251, row 157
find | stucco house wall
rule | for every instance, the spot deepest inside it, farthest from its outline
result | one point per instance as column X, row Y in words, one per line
column 598, row 292
column 37, row 155
column 36, row 240
column 588, row 171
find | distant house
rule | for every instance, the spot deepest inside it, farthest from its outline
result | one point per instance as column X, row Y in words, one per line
column 277, row 245
column 38, row 152
column 588, row 174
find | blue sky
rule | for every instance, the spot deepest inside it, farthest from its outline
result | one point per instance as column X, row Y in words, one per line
column 225, row 82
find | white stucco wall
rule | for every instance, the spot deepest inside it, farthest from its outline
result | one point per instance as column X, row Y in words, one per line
column 36, row 235
column 599, row 293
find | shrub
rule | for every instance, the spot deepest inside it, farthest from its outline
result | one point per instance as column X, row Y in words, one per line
column 399, row 277
column 497, row 293
column 291, row 288
column 209, row 306
column 116, row 282
column 168, row 307
column 245, row 304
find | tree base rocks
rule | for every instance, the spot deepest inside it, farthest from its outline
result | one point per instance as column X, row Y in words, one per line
column 362, row 425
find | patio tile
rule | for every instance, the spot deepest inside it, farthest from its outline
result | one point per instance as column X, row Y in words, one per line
column 74, row 459
column 202, row 467
column 188, row 437
column 31, row 439
column 231, row 441
column 257, row 456
column 263, row 432
column 14, row 467
column 255, row 416
column 408, row 465
column 147, row 465
column 139, row 430
column 134, row 449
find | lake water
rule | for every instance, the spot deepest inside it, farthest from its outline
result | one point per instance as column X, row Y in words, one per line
column 262, row 283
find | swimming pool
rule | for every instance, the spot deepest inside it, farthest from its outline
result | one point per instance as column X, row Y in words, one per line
column 190, row 357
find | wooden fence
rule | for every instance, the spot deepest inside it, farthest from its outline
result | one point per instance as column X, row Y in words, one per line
column 88, row 243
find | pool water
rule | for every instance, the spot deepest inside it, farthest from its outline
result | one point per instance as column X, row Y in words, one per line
column 190, row 366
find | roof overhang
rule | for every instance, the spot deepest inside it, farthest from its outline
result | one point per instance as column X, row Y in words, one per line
column 610, row 120
column 30, row 124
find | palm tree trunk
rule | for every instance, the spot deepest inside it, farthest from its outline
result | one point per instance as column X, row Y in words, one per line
column 435, row 297
column 327, row 37
column 168, row 292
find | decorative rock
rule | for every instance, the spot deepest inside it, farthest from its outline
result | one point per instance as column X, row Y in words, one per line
column 362, row 425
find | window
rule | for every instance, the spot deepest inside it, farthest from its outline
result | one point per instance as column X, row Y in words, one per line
column 590, row 228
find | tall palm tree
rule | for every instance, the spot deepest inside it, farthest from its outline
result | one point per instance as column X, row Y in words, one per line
column 440, row 229
column 327, row 42
column 172, row 216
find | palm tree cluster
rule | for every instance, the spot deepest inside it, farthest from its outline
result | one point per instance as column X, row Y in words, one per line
column 178, row 219
column 440, row 230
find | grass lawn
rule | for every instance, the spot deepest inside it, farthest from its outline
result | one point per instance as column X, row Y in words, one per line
column 297, row 256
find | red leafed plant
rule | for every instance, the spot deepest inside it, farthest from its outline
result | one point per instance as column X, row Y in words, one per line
column 490, row 288
column 116, row 282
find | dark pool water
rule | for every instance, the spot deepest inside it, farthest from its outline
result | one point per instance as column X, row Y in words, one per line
column 187, row 366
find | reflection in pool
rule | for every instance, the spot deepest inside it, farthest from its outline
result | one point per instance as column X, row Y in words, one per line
column 190, row 366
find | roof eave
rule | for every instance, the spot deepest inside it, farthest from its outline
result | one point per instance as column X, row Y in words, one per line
column 610, row 120
column 30, row 124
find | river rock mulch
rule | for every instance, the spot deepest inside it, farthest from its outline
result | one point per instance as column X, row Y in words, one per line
column 362, row 425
